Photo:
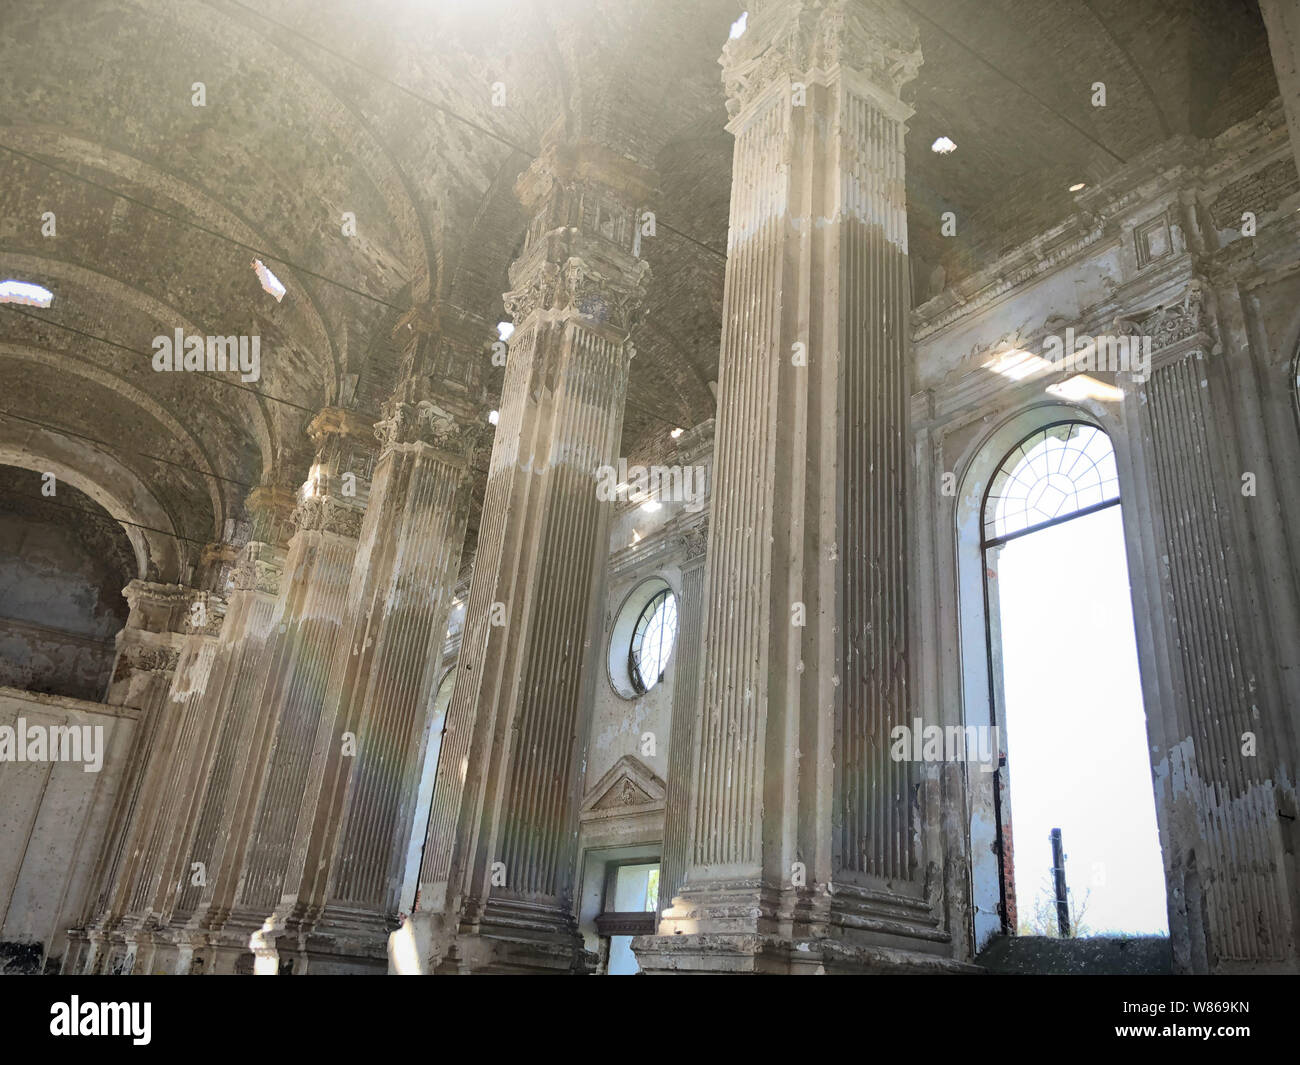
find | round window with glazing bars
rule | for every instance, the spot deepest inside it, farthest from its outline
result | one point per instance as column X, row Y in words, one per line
column 1054, row 473
column 652, row 641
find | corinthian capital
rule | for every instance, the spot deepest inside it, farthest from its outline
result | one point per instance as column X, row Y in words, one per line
column 794, row 39
column 423, row 421
column 580, row 257
column 327, row 514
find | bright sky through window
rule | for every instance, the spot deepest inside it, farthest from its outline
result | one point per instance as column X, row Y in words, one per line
column 24, row 292
column 270, row 282
column 652, row 642
column 1075, row 728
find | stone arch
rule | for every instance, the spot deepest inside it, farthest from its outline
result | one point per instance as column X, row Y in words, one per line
column 158, row 550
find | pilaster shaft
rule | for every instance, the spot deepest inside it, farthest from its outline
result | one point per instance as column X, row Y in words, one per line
column 149, row 650
column 348, row 855
column 794, row 795
column 502, row 834
column 229, row 700
column 305, row 631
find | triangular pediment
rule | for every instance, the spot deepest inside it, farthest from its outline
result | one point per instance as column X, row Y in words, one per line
column 630, row 786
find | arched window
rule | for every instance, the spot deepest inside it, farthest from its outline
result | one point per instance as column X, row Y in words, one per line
column 652, row 641
column 1064, row 693
column 1057, row 473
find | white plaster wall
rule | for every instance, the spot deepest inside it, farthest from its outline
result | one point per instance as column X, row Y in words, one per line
column 618, row 724
column 53, row 816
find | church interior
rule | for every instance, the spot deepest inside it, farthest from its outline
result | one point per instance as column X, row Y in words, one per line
column 655, row 487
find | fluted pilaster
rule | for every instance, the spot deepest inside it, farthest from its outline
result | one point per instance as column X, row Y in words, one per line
column 348, row 855
column 800, row 826
column 149, row 651
column 500, row 855
column 292, row 689
column 686, row 687
column 229, row 701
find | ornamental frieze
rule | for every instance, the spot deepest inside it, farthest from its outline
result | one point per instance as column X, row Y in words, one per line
column 256, row 575
column 1169, row 324
column 327, row 514
column 145, row 658
column 577, row 287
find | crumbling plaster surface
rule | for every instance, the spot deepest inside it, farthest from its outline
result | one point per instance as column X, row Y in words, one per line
column 61, row 580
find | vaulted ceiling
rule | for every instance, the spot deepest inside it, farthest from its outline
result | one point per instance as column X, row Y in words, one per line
column 384, row 109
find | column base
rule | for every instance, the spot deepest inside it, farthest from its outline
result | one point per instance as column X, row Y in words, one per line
column 772, row 955
column 746, row 926
column 336, row 940
column 511, row 937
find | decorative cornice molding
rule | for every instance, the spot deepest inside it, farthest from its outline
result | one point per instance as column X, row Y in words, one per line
column 683, row 540
column 1177, row 166
column 1171, row 309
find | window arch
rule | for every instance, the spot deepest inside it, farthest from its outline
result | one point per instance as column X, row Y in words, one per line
column 1061, row 471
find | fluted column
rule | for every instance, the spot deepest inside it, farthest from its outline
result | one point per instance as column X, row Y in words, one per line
column 223, row 704
column 149, row 650
column 291, row 693
column 499, row 863
column 1224, row 777
column 348, row 854
column 155, row 879
column 803, row 836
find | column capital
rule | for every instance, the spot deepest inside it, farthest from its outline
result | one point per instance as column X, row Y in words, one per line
column 793, row 40
column 426, row 422
column 259, row 568
column 338, row 422
column 579, row 259
column 324, row 513
column 158, row 607
column 270, row 509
